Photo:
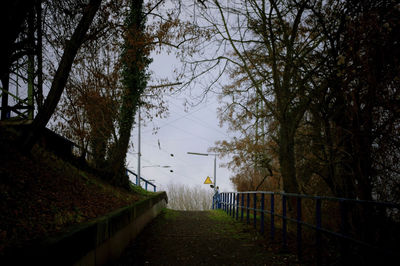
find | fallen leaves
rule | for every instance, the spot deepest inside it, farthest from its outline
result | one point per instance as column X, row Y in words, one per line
column 41, row 195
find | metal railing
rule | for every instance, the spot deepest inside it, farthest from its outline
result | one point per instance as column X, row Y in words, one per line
column 88, row 153
column 146, row 182
column 291, row 209
column 68, row 149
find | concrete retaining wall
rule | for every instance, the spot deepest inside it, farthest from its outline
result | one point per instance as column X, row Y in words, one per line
column 94, row 243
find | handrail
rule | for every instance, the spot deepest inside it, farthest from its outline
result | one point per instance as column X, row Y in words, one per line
column 387, row 204
column 231, row 202
column 70, row 153
column 127, row 170
column 146, row 182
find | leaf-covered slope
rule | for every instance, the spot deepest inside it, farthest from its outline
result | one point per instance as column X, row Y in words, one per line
column 41, row 194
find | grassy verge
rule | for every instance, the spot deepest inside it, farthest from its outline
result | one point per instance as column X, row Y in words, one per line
column 224, row 224
column 169, row 214
column 141, row 191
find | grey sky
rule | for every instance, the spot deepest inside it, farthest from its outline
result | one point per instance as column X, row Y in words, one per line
column 193, row 131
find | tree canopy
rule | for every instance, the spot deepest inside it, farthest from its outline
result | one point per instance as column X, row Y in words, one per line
column 310, row 87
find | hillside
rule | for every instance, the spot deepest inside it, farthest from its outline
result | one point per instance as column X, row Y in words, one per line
column 40, row 194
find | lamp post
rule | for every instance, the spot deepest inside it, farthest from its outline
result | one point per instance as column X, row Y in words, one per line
column 139, row 152
column 139, row 148
column 215, row 202
column 215, row 164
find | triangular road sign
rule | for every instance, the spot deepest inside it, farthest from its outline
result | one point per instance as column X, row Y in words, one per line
column 208, row 180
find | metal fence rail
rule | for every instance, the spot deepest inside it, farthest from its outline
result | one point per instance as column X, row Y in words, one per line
column 88, row 153
column 146, row 182
column 254, row 202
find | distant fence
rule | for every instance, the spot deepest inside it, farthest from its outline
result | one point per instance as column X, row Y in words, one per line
column 329, row 220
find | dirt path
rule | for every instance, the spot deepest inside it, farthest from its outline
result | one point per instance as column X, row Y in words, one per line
column 200, row 238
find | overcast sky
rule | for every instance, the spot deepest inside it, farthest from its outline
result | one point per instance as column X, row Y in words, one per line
column 193, row 131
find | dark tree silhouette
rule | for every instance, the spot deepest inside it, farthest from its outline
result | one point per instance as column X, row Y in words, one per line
column 61, row 76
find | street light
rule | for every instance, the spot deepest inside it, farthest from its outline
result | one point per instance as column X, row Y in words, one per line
column 215, row 164
column 139, row 152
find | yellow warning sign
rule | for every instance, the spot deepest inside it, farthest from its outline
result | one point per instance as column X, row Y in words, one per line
column 208, row 180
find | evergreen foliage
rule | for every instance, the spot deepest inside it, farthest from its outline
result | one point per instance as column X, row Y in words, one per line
column 135, row 62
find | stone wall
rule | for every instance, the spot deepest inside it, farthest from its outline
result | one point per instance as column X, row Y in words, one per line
column 94, row 243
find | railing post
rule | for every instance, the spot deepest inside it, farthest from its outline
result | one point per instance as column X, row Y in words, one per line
column 237, row 206
column 228, row 196
column 299, row 248
column 241, row 211
column 221, row 201
column 232, row 199
column 230, row 204
column 318, row 232
column 255, row 210
column 145, row 185
column 225, row 201
column 248, row 208
column 262, row 214
column 233, row 204
column 213, row 200
column 154, row 187
column 272, row 216
column 284, row 222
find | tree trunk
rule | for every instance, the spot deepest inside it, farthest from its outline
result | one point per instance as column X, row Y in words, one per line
column 4, row 96
column 31, row 62
column 287, row 158
column 39, row 54
column 61, row 76
column 98, row 143
column 135, row 62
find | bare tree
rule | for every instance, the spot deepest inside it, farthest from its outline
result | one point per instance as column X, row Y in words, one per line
column 61, row 76
column 267, row 48
column 186, row 198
